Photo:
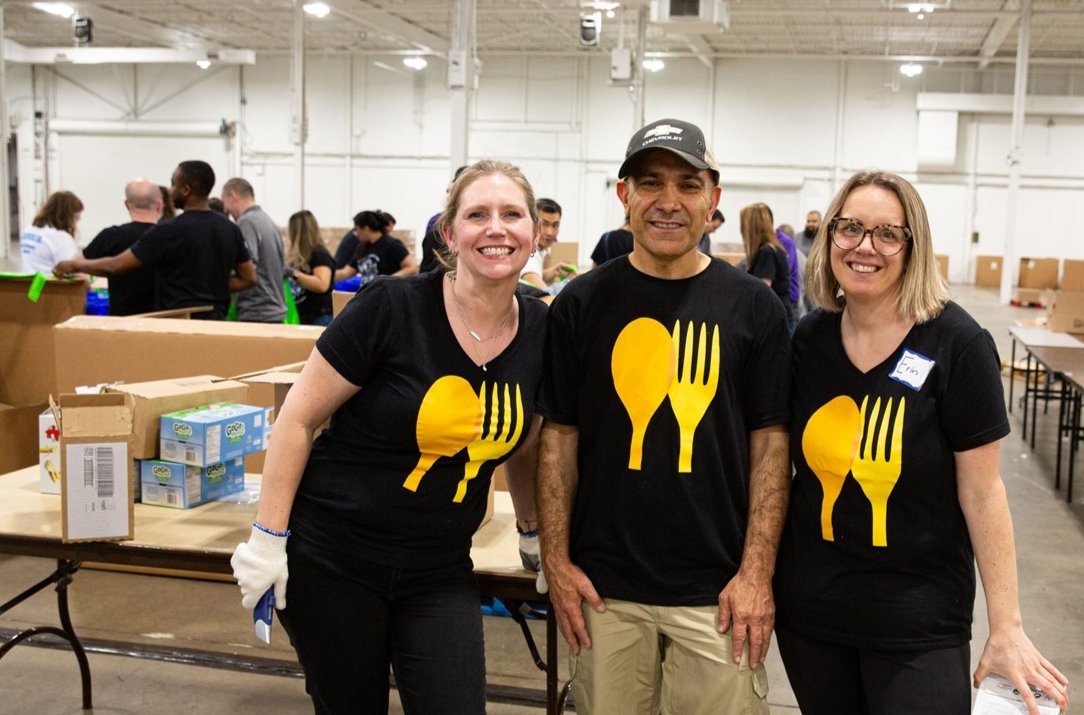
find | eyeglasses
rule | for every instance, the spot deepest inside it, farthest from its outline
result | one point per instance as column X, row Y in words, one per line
column 888, row 240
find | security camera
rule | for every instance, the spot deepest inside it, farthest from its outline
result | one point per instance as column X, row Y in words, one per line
column 82, row 30
column 590, row 26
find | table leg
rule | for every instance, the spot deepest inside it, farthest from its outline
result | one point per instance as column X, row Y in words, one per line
column 1035, row 405
column 1073, row 439
column 1012, row 371
column 1027, row 391
column 1064, row 427
column 61, row 577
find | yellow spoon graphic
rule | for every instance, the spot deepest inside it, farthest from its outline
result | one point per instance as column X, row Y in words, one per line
column 829, row 443
column 643, row 367
column 448, row 420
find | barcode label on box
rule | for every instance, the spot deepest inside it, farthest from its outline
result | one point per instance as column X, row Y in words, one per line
column 96, row 489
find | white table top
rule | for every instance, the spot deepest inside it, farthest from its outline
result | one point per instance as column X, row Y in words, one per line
column 1033, row 337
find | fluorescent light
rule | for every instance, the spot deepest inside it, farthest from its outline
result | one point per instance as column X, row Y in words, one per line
column 56, row 8
column 653, row 65
column 911, row 69
column 415, row 63
column 611, row 14
column 203, row 64
column 920, row 7
column 316, row 9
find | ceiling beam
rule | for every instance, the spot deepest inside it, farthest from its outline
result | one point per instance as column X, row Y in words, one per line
column 389, row 24
column 151, row 33
column 998, row 33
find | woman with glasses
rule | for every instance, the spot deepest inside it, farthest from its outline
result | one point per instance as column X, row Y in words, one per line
column 765, row 256
column 898, row 415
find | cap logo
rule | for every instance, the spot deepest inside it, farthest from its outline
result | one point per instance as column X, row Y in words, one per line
column 661, row 130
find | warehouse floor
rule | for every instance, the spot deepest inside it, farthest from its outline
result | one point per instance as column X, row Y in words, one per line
column 171, row 616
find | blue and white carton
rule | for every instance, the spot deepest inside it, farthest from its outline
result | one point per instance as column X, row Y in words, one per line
column 182, row 486
column 219, row 432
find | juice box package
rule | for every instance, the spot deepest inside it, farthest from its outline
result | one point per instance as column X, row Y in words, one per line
column 182, row 486
column 219, row 432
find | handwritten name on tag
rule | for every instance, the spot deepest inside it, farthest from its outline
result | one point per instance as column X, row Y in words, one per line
column 912, row 369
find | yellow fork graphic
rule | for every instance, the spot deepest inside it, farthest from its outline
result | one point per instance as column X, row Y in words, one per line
column 497, row 439
column 877, row 466
column 689, row 394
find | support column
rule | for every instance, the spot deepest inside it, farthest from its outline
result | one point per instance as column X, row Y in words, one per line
column 638, row 58
column 299, row 125
column 461, row 78
column 1011, row 264
column 5, row 135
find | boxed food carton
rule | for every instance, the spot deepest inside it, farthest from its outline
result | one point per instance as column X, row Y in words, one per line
column 1065, row 311
column 48, row 453
column 182, row 486
column 1072, row 275
column 158, row 397
column 96, row 467
column 218, row 432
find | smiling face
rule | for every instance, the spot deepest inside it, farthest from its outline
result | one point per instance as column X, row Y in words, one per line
column 865, row 275
column 668, row 202
column 492, row 234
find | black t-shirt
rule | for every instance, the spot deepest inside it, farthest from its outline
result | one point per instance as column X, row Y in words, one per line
column 347, row 250
column 772, row 264
column 661, row 510
column 192, row 257
column 312, row 305
column 432, row 244
column 132, row 292
column 612, row 244
column 420, row 414
column 901, row 575
column 382, row 257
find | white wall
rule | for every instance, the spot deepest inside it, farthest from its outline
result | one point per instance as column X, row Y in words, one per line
column 785, row 132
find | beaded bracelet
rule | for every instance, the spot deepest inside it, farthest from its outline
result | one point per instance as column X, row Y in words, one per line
column 272, row 532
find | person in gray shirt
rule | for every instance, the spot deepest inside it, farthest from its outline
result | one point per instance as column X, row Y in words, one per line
column 266, row 301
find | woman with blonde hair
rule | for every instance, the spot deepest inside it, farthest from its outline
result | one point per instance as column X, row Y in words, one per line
column 50, row 238
column 898, row 415
column 765, row 257
column 309, row 270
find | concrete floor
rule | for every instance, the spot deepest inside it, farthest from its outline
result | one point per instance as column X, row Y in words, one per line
column 111, row 609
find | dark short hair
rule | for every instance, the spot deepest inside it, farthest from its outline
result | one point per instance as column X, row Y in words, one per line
column 548, row 205
column 370, row 220
column 718, row 216
column 386, row 217
column 239, row 186
column 199, row 176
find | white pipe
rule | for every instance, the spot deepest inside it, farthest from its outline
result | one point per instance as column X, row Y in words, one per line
column 1012, row 199
column 122, row 127
column 121, row 55
column 5, row 132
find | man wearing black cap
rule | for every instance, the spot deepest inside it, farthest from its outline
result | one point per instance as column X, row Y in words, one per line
column 663, row 470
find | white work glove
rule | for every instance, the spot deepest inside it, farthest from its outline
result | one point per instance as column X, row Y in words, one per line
column 530, row 556
column 258, row 564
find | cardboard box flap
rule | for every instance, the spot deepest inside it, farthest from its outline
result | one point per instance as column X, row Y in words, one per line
column 179, row 386
column 105, row 415
column 292, row 368
column 217, row 328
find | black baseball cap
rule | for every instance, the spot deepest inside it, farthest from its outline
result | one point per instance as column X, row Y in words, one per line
column 682, row 138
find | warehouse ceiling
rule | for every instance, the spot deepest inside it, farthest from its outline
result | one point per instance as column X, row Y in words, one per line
column 971, row 32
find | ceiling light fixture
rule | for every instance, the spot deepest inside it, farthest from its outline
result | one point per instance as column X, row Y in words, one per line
column 611, row 14
column 920, row 8
column 911, row 69
column 203, row 64
column 415, row 63
column 654, row 65
column 56, row 8
column 316, row 9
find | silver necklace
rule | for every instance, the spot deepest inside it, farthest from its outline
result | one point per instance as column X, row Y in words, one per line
column 476, row 336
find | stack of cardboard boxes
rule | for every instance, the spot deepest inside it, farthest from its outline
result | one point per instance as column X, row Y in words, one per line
column 1065, row 307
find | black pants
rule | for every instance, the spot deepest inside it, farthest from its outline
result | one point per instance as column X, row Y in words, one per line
column 830, row 679
column 348, row 629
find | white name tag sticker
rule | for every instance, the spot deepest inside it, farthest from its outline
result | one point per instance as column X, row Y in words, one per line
column 912, row 370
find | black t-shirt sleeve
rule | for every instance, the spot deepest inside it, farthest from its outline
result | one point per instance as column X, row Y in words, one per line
column 557, row 397
column 322, row 257
column 100, row 246
column 599, row 254
column 354, row 343
column 239, row 240
column 765, row 264
column 150, row 246
column 974, row 403
column 348, row 247
column 396, row 252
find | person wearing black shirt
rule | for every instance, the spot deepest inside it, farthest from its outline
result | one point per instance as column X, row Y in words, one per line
column 898, row 416
column 309, row 270
column 378, row 254
column 133, row 292
column 430, row 383
column 613, row 244
column 764, row 254
column 198, row 258
column 662, row 462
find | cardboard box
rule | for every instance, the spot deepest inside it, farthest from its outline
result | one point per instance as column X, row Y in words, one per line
column 48, row 453
column 96, row 467
column 942, row 265
column 218, row 432
column 731, row 258
column 93, row 349
column 339, row 299
column 1029, row 296
column 1072, row 275
column 183, row 486
column 268, row 389
column 18, row 435
column 1040, row 273
column 988, row 271
column 1065, row 311
column 158, row 397
column 562, row 253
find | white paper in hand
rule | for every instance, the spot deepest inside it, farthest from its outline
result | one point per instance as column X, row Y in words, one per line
column 997, row 696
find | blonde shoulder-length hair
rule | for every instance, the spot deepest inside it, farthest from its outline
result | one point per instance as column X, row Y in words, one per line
column 923, row 294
